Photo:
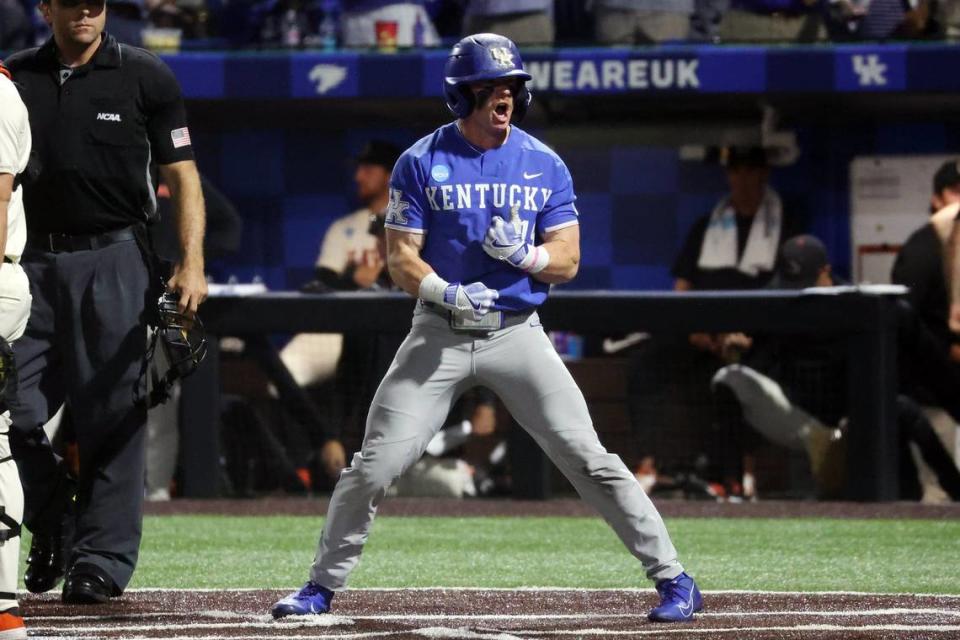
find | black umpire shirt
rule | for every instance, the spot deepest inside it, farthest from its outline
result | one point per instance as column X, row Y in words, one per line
column 98, row 135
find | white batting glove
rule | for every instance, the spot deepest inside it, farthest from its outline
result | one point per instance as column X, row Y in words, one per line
column 473, row 300
column 504, row 241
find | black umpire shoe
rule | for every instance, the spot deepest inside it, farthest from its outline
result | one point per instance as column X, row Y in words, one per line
column 87, row 584
column 45, row 564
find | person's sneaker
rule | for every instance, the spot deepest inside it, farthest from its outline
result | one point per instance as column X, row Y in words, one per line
column 11, row 625
column 679, row 600
column 310, row 599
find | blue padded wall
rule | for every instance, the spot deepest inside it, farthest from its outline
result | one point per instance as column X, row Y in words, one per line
column 637, row 203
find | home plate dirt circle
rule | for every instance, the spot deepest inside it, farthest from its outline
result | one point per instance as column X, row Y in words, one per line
column 499, row 614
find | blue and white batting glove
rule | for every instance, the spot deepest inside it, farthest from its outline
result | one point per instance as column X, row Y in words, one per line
column 504, row 241
column 474, row 300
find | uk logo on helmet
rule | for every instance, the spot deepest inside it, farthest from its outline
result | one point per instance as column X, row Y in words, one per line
column 502, row 56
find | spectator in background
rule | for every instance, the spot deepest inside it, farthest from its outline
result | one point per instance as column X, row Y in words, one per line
column 16, row 29
column 444, row 471
column 284, row 23
column 526, row 22
column 189, row 16
column 920, row 264
column 793, row 390
column 223, row 234
column 128, row 19
column 733, row 247
column 948, row 19
column 641, row 21
column 772, row 20
column 387, row 24
column 352, row 257
column 877, row 19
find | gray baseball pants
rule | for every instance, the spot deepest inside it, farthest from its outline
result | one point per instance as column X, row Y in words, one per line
column 433, row 366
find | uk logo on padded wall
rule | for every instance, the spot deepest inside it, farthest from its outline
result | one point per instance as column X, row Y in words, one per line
column 870, row 69
column 315, row 76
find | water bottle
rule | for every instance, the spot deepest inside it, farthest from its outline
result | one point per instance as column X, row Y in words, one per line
column 418, row 29
column 327, row 31
column 290, row 29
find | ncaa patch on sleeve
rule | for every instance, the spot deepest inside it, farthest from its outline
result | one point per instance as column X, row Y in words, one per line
column 180, row 137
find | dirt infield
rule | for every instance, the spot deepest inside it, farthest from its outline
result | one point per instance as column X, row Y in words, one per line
column 495, row 614
column 563, row 507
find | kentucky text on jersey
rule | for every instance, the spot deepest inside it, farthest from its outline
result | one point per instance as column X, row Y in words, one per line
column 448, row 190
column 451, row 197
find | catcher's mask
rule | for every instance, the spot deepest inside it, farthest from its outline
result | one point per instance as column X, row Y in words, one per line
column 183, row 346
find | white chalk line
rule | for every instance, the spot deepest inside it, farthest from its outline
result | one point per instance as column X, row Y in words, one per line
column 548, row 589
column 266, row 618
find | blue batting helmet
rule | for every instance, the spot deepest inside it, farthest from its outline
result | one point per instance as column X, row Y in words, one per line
column 483, row 56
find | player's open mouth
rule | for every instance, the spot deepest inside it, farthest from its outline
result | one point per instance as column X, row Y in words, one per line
column 502, row 110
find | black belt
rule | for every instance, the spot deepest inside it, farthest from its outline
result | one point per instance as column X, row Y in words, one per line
column 510, row 318
column 62, row 242
column 7, row 260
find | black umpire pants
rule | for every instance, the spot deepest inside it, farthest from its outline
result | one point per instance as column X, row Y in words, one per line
column 85, row 345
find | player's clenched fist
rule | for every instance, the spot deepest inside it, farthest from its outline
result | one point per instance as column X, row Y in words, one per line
column 473, row 300
column 505, row 241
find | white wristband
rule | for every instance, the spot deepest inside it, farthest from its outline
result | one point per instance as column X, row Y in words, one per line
column 432, row 288
column 538, row 258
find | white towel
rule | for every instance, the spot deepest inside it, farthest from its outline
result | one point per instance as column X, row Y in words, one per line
column 719, row 249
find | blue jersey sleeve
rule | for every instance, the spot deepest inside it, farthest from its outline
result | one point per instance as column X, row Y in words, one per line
column 407, row 210
column 559, row 210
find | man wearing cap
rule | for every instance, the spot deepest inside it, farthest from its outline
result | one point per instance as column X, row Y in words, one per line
column 352, row 258
column 920, row 263
column 733, row 247
column 793, row 390
column 106, row 118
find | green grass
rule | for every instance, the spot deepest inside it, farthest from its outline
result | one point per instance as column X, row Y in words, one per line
column 912, row 556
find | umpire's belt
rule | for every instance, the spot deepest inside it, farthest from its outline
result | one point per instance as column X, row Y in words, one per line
column 62, row 242
column 507, row 318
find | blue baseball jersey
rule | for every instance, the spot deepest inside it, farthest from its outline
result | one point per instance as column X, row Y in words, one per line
column 449, row 190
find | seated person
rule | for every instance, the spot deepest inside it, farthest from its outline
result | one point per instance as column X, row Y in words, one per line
column 877, row 19
column 792, row 390
column 920, row 264
column 526, row 22
column 641, row 21
column 351, row 258
column 772, row 21
column 733, row 247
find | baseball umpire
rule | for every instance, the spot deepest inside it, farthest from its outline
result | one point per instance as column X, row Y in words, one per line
column 14, row 309
column 481, row 221
column 103, row 116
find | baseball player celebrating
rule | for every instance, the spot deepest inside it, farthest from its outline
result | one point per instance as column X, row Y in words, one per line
column 481, row 221
column 15, row 300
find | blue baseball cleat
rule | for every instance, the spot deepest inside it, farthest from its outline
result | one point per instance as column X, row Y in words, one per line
column 311, row 599
column 679, row 600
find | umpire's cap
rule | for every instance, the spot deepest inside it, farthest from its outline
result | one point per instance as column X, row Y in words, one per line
column 483, row 56
column 379, row 152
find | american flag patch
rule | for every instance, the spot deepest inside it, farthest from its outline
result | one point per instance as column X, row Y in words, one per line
column 180, row 137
